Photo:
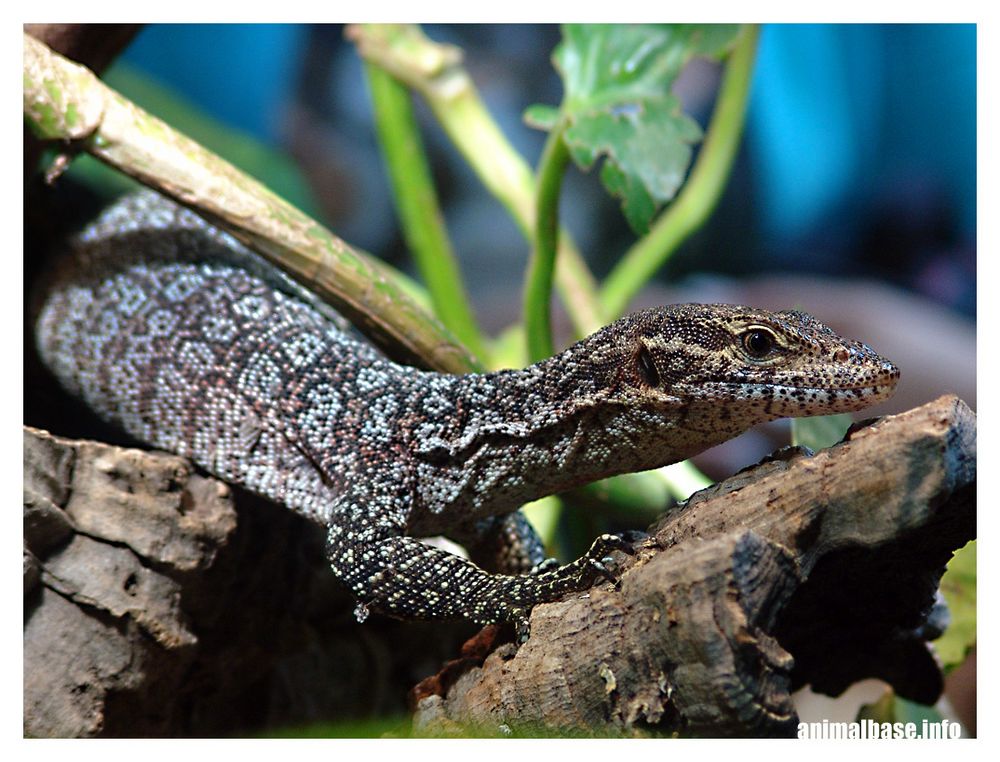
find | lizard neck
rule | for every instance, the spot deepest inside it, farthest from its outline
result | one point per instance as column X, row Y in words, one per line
column 577, row 431
column 515, row 436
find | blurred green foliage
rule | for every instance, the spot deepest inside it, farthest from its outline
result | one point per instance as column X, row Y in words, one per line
column 820, row 431
column 959, row 589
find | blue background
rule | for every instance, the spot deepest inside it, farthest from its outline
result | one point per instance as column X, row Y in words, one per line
column 859, row 156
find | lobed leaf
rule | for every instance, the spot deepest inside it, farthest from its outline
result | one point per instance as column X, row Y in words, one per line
column 618, row 105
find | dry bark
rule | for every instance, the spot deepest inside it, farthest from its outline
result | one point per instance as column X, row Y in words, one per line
column 808, row 569
column 162, row 602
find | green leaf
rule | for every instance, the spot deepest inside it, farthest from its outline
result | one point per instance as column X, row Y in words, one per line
column 820, row 431
column 618, row 105
column 648, row 150
column 541, row 117
column 958, row 585
column 638, row 206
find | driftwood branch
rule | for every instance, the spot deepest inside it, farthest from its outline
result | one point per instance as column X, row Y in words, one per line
column 159, row 602
column 162, row 602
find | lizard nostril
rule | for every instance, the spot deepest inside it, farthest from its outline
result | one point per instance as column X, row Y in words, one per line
column 841, row 355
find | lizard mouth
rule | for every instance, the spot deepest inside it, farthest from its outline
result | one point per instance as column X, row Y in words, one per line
column 793, row 400
column 873, row 383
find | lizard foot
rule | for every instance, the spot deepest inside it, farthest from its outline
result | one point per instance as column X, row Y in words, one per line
column 599, row 559
column 550, row 582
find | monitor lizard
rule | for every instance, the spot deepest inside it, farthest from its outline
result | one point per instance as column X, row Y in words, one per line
column 186, row 340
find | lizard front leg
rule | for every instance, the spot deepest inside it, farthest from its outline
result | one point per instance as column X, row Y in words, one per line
column 403, row 577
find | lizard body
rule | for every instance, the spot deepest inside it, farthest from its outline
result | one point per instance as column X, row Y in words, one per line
column 173, row 331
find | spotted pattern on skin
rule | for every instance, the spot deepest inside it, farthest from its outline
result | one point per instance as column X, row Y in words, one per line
column 176, row 333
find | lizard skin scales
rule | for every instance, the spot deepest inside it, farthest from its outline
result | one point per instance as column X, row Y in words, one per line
column 176, row 333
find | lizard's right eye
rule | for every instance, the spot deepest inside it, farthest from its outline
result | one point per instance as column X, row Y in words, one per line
column 758, row 342
column 647, row 368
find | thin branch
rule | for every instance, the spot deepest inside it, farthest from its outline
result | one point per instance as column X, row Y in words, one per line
column 435, row 71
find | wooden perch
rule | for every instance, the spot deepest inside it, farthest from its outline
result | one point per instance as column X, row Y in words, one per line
column 157, row 604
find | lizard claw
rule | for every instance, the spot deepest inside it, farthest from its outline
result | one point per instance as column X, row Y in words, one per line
column 522, row 627
column 607, row 543
column 603, row 567
column 599, row 561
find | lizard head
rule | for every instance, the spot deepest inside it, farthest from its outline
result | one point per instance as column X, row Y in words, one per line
column 761, row 365
column 654, row 388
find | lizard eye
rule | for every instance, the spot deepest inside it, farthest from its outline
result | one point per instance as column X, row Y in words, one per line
column 647, row 368
column 757, row 342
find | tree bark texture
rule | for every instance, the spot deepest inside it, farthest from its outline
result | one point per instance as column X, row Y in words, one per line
column 159, row 602
column 162, row 602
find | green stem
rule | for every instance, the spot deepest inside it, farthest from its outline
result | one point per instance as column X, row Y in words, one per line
column 435, row 72
column 700, row 193
column 417, row 205
column 538, row 286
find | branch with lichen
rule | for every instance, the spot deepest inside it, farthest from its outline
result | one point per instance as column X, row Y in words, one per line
column 66, row 102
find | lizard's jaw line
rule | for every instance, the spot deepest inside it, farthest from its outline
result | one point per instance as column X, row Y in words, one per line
column 789, row 387
column 751, row 391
